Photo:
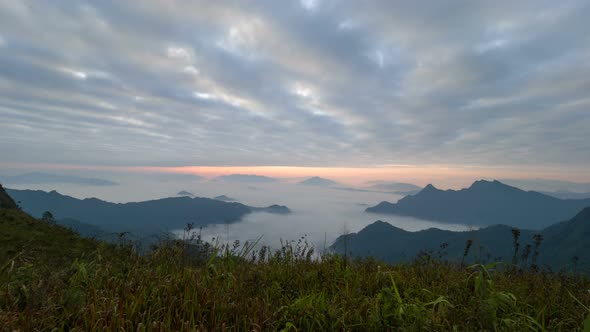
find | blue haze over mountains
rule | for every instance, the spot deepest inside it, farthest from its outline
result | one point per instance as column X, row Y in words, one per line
column 48, row 178
column 318, row 181
column 246, row 178
column 484, row 203
column 318, row 212
column 564, row 244
column 324, row 213
column 147, row 217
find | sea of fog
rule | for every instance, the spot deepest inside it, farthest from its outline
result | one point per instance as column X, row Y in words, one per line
column 319, row 214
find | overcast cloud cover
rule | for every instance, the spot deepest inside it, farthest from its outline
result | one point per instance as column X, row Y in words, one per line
column 310, row 83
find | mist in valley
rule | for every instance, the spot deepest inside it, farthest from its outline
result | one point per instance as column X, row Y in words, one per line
column 319, row 214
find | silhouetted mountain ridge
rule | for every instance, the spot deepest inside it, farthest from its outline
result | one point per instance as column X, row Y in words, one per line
column 318, row 181
column 138, row 217
column 224, row 198
column 393, row 186
column 275, row 208
column 566, row 194
column 48, row 178
column 246, row 178
column 561, row 243
column 484, row 203
column 549, row 185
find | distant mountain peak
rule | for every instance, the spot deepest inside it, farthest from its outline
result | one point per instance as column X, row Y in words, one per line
column 483, row 183
column 395, row 187
column 380, row 224
column 224, row 198
column 246, row 178
column 492, row 186
column 49, row 178
column 318, row 181
column 429, row 187
column 275, row 208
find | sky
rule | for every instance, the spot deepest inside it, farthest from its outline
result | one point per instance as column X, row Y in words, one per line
column 318, row 87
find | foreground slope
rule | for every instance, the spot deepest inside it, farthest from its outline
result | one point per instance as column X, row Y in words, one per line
column 6, row 202
column 53, row 280
column 24, row 237
column 484, row 203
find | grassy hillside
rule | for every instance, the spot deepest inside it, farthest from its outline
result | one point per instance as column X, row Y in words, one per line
column 169, row 290
column 51, row 279
column 6, row 202
column 33, row 241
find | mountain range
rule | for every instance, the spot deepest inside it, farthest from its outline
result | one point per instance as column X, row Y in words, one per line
column 48, row 178
column 566, row 194
column 548, row 185
column 484, row 203
column 562, row 244
column 174, row 177
column 395, row 187
column 246, row 178
column 145, row 217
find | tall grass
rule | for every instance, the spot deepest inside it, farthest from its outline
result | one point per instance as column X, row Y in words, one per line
column 194, row 286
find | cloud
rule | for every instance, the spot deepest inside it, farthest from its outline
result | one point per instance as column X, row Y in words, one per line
column 306, row 83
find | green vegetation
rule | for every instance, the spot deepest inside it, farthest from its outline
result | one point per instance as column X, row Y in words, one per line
column 52, row 279
column 31, row 241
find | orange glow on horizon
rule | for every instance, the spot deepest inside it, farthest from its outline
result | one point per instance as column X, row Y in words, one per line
column 441, row 175
column 444, row 176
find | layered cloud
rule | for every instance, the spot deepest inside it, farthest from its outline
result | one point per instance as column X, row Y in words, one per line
column 310, row 83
